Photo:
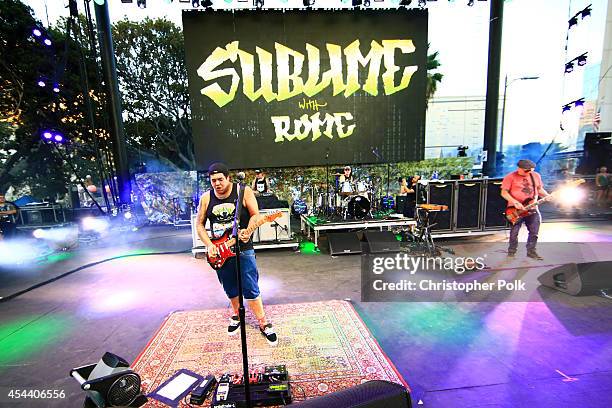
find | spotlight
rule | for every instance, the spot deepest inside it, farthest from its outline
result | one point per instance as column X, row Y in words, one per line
column 56, row 88
column 37, row 32
column 58, row 138
column 47, row 135
column 109, row 383
column 565, row 108
column 258, row 3
column 195, row 3
column 470, row 3
column 405, row 3
column 422, row 3
column 569, row 67
column 582, row 59
column 308, row 3
column 586, row 12
column 579, row 102
column 357, row 3
column 206, row 3
column 38, row 233
column 127, row 215
column 41, row 83
column 47, row 41
column 572, row 22
column 141, row 3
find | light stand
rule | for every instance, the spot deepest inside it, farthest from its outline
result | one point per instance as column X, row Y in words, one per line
column 241, row 311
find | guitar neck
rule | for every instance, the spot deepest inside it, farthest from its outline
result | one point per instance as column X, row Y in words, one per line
column 250, row 230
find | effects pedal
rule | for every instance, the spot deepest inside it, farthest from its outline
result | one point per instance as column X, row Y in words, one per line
column 201, row 392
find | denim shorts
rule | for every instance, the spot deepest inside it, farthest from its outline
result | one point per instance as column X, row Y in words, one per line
column 250, row 276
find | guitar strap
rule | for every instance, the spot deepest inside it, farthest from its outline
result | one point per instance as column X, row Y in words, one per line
column 535, row 191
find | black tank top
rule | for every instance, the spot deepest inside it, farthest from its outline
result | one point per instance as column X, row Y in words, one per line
column 220, row 213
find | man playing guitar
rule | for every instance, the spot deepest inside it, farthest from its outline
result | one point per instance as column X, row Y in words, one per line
column 519, row 188
column 218, row 207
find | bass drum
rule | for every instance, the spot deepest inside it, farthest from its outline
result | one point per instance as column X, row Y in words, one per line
column 358, row 207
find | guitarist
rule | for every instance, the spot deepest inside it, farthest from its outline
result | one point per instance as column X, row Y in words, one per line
column 519, row 188
column 218, row 207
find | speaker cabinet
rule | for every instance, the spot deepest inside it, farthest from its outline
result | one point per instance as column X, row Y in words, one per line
column 495, row 205
column 442, row 193
column 400, row 203
column 379, row 242
column 278, row 229
column 343, row 243
column 580, row 279
column 468, row 205
column 371, row 394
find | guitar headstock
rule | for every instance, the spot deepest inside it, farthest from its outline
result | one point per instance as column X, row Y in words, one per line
column 273, row 216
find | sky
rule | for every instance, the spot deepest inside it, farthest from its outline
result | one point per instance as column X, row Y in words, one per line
column 534, row 42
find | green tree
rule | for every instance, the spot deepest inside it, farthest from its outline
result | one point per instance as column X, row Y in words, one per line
column 153, row 82
column 433, row 78
column 26, row 108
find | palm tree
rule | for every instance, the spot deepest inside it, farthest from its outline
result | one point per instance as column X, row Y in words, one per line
column 433, row 78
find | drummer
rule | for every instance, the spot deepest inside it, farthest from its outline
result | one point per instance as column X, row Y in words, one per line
column 347, row 181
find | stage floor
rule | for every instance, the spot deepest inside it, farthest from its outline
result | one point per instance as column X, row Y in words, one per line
column 451, row 354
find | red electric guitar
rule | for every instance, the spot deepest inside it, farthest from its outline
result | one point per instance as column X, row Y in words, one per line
column 513, row 215
column 225, row 244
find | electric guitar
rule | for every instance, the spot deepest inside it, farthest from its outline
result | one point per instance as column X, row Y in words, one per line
column 513, row 215
column 225, row 244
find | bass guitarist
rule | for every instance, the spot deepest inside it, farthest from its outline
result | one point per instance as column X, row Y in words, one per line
column 218, row 207
column 519, row 188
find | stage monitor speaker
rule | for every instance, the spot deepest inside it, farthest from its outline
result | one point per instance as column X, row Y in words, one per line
column 343, row 243
column 379, row 242
column 442, row 193
column 495, row 206
column 580, row 279
column 469, row 200
column 279, row 229
column 371, row 394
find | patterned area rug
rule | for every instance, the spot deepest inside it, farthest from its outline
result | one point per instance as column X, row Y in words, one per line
column 325, row 346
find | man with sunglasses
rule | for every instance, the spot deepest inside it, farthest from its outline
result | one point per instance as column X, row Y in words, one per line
column 518, row 188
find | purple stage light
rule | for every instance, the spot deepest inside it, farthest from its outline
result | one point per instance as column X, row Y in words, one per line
column 47, row 135
column 58, row 138
column 41, row 83
column 37, row 32
column 56, row 88
column 47, row 41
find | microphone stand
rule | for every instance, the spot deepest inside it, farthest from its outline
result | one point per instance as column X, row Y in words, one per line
column 326, row 201
column 241, row 311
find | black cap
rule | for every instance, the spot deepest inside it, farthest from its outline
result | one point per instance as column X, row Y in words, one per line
column 218, row 168
column 257, row 171
column 526, row 164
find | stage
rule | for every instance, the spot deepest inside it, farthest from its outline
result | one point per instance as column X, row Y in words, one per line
column 314, row 226
column 451, row 354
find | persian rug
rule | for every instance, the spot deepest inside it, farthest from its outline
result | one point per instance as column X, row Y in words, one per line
column 325, row 346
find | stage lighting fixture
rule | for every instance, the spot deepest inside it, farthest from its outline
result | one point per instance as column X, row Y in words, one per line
column 195, row 3
column 127, row 215
column 565, row 108
column 586, row 12
column 58, row 138
column 579, row 102
column 582, row 59
column 141, row 3
column 56, row 88
column 569, row 67
column 206, row 3
column 422, row 3
column 37, row 32
column 357, row 3
column 470, row 3
column 258, row 3
column 308, row 3
column 405, row 3
column 41, row 83
column 38, row 233
column 47, row 42
column 47, row 135
column 572, row 22
column 109, row 383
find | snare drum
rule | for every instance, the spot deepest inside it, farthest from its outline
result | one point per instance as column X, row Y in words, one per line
column 346, row 187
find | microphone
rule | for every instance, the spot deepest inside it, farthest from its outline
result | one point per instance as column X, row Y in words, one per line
column 241, row 176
